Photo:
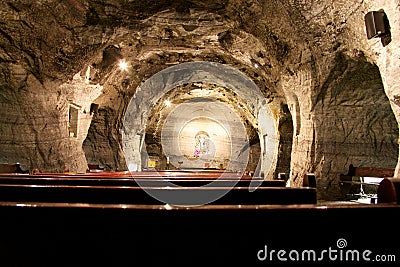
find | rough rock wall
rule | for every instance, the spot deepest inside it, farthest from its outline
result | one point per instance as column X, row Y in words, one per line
column 341, row 113
column 103, row 143
column 384, row 54
column 37, row 54
column 34, row 129
column 354, row 123
column 285, row 129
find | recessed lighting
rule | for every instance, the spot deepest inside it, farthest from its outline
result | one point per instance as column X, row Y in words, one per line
column 167, row 103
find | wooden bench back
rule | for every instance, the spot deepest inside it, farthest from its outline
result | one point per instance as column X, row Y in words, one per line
column 11, row 168
column 137, row 195
column 370, row 172
column 172, row 174
column 99, row 180
column 389, row 191
column 309, row 180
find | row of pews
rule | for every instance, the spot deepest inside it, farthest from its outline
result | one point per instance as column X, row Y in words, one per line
column 112, row 218
column 141, row 187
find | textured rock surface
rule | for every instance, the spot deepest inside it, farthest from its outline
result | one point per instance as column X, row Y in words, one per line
column 333, row 93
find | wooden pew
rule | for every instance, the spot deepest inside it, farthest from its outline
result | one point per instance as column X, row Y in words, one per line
column 366, row 172
column 11, row 168
column 95, row 168
column 363, row 181
column 166, row 173
column 309, row 180
column 138, row 195
column 129, row 181
column 100, row 187
column 389, row 191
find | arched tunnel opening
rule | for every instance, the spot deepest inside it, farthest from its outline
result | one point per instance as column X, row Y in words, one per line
column 197, row 126
column 220, row 101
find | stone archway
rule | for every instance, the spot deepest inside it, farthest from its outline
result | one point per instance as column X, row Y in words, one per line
column 225, row 76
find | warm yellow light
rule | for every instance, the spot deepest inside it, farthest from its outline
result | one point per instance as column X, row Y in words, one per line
column 167, row 103
column 123, row 65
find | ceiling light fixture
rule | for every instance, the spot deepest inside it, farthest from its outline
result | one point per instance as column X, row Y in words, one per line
column 123, row 65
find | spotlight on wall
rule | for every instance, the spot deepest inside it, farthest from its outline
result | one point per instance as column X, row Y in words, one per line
column 123, row 65
column 376, row 24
